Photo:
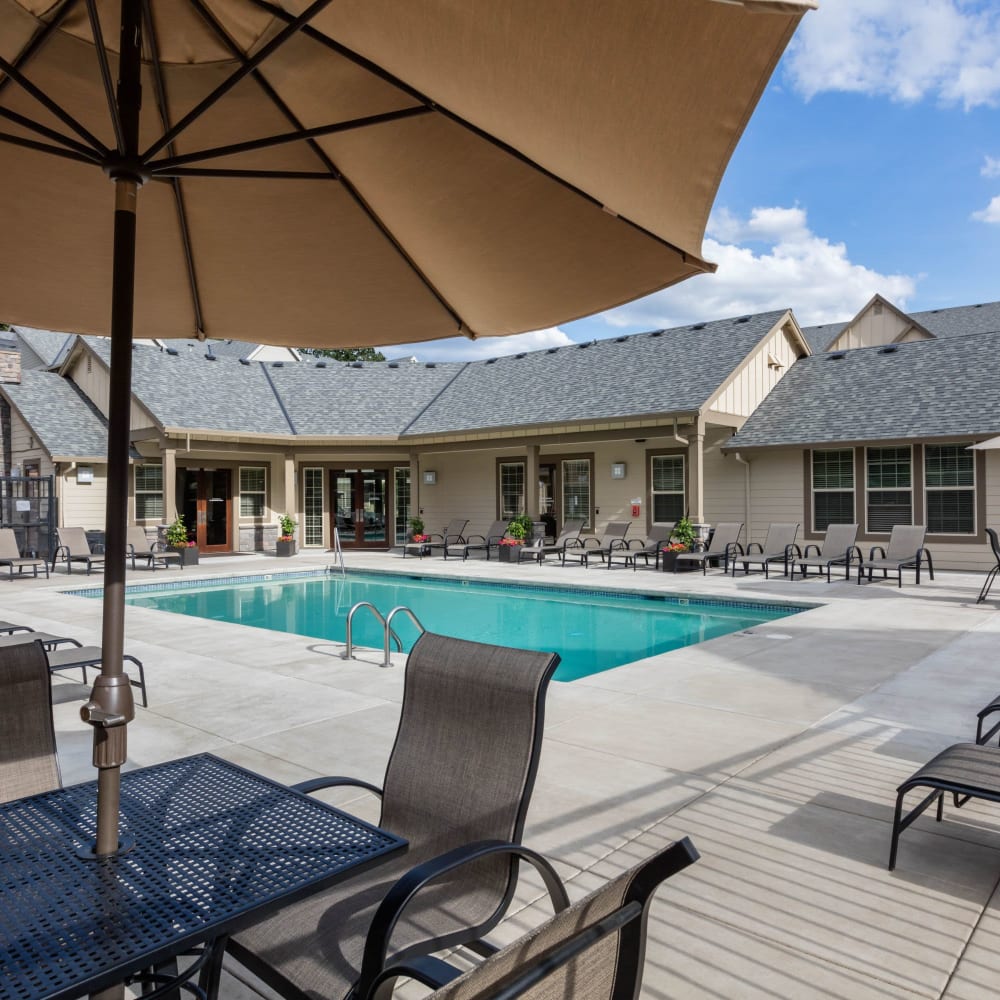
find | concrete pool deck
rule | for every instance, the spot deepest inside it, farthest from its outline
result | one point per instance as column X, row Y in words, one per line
column 777, row 750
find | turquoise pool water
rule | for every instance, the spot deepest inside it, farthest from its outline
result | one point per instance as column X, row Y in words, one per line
column 591, row 630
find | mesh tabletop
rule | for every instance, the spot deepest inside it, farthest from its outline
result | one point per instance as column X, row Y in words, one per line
column 216, row 847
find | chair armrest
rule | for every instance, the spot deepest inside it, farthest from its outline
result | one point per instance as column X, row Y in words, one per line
column 751, row 546
column 794, row 550
column 876, row 548
column 811, row 548
column 473, row 538
column 406, row 888
column 431, row 537
column 618, row 543
column 315, row 784
column 454, row 539
column 854, row 550
column 590, row 542
column 734, row 549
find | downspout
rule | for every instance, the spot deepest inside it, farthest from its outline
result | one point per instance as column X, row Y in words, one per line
column 746, row 493
column 680, row 440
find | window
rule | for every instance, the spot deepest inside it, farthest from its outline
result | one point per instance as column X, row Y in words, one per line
column 890, row 488
column 950, row 479
column 149, row 493
column 312, row 506
column 253, row 491
column 576, row 490
column 832, row 488
column 402, row 503
column 511, row 489
column 667, row 477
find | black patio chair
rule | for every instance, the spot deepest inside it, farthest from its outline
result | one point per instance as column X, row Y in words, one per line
column 639, row 548
column 593, row 950
column 28, row 762
column 477, row 543
column 154, row 554
column 10, row 556
column 613, row 539
column 458, row 784
column 452, row 535
column 839, row 548
column 779, row 546
column 73, row 548
column 78, row 657
column 905, row 551
column 991, row 575
column 723, row 545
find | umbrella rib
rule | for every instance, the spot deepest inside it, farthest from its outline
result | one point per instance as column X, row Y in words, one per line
column 291, row 29
column 64, row 116
column 384, row 74
column 44, row 147
column 294, row 175
column 301, row 135
column 161, row 102
column 109, row 89
column 85, row 152
column 39, row 38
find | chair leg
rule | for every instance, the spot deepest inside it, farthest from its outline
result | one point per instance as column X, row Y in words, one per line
column 990, row 577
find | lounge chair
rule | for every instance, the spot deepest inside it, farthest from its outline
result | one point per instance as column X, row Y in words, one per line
column 461, row 772
column 592, row 950
column 636, row 549
column 478, row 543
column 991, row 575
column 905, row 551
column 963, row 770
column 452, row 535
column 613, row 538
column 137, row 546
column 533, row 550
column 839, row 548
column 47, row 639
column 28, row 762
column 778, row 546
column 569, row 536
column 73, row 547
column 723, row 545
column 10, row 555
column 9, row 628
column 78, row 657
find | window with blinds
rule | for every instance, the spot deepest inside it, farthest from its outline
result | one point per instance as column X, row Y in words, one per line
column 889, row 476
column 667, row 479
column 511, row 489
column 832, row 488
column 312, row 506
column 149, row 493
column 576, row 490
column 401, row 502
column 950, row 485
column 253, row 491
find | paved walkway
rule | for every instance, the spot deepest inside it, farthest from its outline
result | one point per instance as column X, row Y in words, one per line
column 777, row 751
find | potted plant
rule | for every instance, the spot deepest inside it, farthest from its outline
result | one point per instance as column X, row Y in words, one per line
column 177, row 540
column 286, row 538
column 417, row 533
column 682, row 539
column 518, row 532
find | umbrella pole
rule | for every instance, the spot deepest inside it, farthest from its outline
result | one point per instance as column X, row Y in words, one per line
column 111, row 707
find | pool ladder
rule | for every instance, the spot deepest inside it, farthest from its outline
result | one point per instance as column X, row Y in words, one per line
column 386, row 622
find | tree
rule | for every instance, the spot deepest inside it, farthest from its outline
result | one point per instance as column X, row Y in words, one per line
column 346, row 353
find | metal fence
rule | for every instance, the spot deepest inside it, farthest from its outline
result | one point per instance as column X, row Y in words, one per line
column 28, row 505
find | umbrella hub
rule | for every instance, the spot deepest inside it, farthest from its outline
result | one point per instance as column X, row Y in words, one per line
column 126, row 166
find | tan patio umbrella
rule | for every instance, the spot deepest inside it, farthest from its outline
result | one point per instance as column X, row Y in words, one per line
column 352, row 173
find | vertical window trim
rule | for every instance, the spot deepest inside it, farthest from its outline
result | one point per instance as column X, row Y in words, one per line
column 973, row 489
column 262, row 493
column 136, row 492
column 812, row 490
column 651, row 492
column 308, row 527
column 562, row 460
column 517, row 460
column 911, row 489
column 401, row 514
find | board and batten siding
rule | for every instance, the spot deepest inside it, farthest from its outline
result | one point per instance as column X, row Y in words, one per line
column 465, row 487
column 758, row 375
column 83, row 504
column 877, row 326
column 725, row 484
column 776, row 492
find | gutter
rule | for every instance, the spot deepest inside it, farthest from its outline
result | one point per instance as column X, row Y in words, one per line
column 746, row 491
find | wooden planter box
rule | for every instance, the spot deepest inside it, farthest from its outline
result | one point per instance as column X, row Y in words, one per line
column 285, row 548
column 669, row 563
column 507, row 553
column 188, row 554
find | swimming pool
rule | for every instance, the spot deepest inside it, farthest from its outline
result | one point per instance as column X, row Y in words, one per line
column 592, row 630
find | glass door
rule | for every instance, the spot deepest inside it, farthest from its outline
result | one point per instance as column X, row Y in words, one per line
column 207, row 506
column 361, row 507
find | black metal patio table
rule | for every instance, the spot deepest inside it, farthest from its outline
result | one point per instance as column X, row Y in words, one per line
column 215, row 848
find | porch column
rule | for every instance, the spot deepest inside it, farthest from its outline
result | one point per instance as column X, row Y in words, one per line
column 696, row 479
column 169, row 484
column 531, row 481
column 414, row 489
column 291, row 493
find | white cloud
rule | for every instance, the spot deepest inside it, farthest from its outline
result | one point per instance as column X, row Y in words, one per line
column 989, row 214
column 793, row 268
column 990, row 167
column 945, row 49
column 462, row 349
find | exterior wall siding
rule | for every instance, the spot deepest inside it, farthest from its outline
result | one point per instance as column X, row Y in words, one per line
column 759, row 374
column 83, row 505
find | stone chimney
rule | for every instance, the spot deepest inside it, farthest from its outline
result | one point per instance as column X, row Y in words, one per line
column 10, row 363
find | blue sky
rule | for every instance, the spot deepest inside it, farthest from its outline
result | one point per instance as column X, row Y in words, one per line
column 872, row 164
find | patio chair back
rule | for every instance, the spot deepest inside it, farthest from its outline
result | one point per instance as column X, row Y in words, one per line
column 495, row 532
column 726, row 533
column 455, row 529
column 135, row 536
column 28, row 762
column 614, row 529
column 657, row 536
column 838, row 539
column 75, row 541
column 8, row 544
column 905, row 540
column 779, row 536
column 570, row 532
column 592, row 950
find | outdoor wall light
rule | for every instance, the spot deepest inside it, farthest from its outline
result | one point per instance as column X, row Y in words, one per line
column 617, row 470
column 430, row 477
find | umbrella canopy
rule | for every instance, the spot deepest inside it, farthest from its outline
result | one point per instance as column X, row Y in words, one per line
column 474, row 168
column 989, row 444
column 352, row 173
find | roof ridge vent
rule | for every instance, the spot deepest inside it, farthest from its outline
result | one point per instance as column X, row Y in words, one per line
column 699, row 326
column 320, row 364
column 244, row 361
column 431, row 364
column 656, row 333
column 357, row 364
column 889, row 349
column 586, row 343
column 552, row 350
column 742, row 319
column 620, row 340
column 173, row 351
column 491, row 361
column 838, row 355
column 277, row 364
column 392, row 364
column 211, row 357
column 523, row 354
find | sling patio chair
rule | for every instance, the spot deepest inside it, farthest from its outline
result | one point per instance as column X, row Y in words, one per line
column 533, row 550
column 478, row 543
column 778, row 546
column 991, row 575
column 613, row 538
column 458, row 780
column 28, row 761
column 73, row 547
column 636, row 549
column 839, row 548
column 569, row 536
column 10, row 555
column 138, row 546
column 452, row 535
column 963, row 770
column 47, row 639
column 592, row 950
column 905, row 551
column 723, row 545
column 78, row 657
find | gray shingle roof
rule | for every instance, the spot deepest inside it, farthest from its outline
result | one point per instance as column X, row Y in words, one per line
column 668, row 371
column 819, row 338
column 59, row 415
column 47, row 348
column 925, row 389
column 961, row 321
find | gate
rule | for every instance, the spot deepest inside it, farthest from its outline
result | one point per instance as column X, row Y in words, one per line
column 28, row 505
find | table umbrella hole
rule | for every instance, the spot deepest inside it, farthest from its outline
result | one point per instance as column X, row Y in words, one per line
column 89, row 850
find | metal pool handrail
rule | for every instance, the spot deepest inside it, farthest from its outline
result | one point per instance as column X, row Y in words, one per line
column 386, row 623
